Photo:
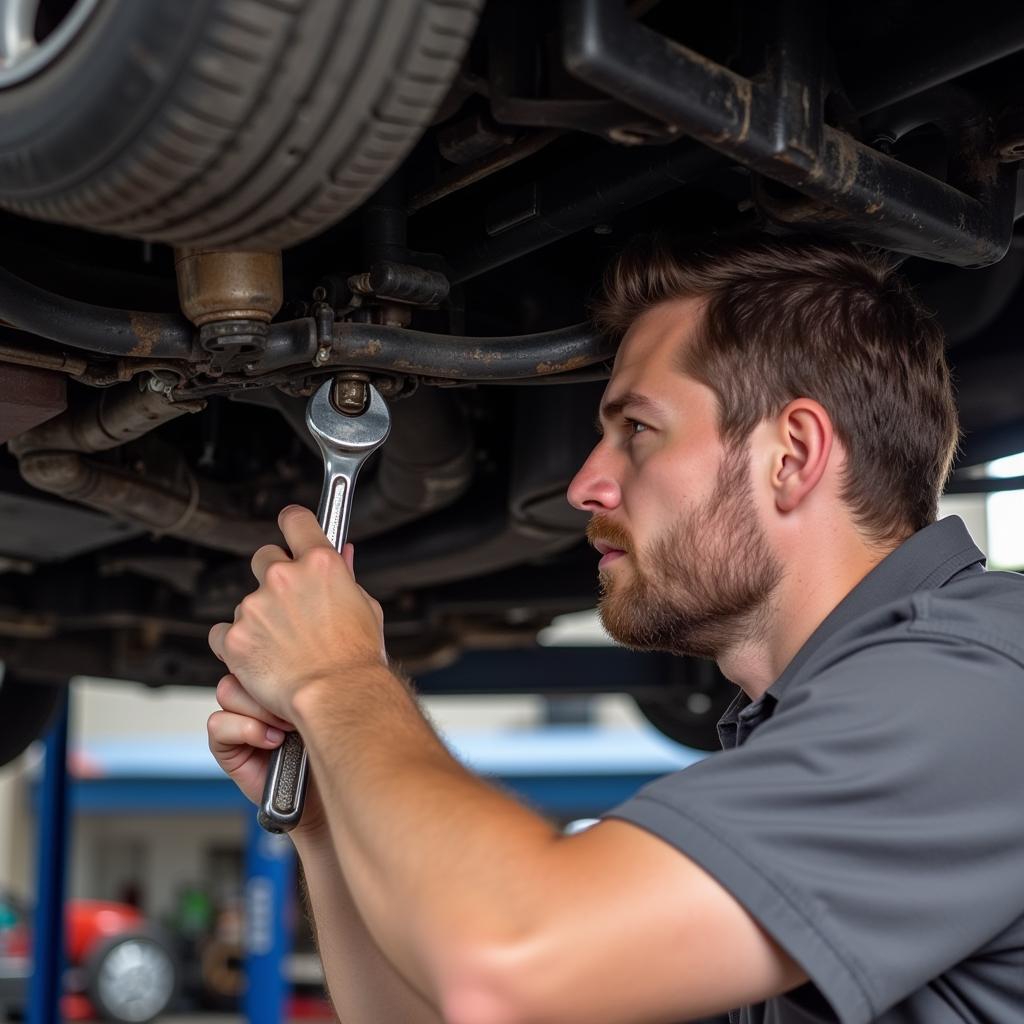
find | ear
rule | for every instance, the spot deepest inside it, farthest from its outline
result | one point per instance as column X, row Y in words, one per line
column 803, row 443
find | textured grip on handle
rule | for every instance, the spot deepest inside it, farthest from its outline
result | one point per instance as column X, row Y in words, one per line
column 284, row 792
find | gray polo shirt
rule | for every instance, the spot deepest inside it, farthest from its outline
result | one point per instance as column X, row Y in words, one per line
column 868, row 810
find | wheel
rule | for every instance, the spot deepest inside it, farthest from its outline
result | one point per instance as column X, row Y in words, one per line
column 235, row 123
column 26, row 708
column 131, row 978
column 692, row 704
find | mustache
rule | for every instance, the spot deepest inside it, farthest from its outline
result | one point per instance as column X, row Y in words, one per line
column 601, row 528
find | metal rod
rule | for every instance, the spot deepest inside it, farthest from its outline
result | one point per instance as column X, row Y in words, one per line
column 866, row 194
column 111, row 332
column 374, row 346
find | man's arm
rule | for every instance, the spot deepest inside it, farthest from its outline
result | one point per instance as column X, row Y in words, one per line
column 364, row 987
column 497, row 917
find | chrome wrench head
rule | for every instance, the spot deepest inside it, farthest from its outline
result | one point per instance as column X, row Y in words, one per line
column 346, row 442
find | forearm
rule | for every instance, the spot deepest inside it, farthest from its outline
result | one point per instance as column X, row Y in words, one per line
column 364, row 986
column 436, row 859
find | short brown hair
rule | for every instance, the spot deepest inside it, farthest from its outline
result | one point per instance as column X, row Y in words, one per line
column 798, row 317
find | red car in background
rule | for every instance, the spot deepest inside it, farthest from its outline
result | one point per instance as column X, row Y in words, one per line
column 117, row 960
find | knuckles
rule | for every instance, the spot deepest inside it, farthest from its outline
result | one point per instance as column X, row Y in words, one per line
column 277, row 575
column 321, row 558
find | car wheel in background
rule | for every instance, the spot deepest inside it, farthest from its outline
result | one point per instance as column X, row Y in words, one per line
column 234, row 123
column 131, row 978
column 692, row 704
column 26, row 709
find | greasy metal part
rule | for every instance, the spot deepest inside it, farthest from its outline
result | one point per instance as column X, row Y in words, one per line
column 373, row 346
column 29, row 396
column 351, row 393
column 157, row 506
column 20, row 355
column 112, row 332
column 874, row 197
column 49, row 457
column 112, row 419
column 216, row 284
column 402, row 282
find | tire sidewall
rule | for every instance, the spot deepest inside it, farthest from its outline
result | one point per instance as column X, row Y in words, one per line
column 76, row 114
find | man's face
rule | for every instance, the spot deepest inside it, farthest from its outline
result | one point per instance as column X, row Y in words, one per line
column 686, row 565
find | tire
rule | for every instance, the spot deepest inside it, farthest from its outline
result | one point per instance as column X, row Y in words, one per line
column 133, row 977
column 689, row 711
column 26, row 710
column 229, row 123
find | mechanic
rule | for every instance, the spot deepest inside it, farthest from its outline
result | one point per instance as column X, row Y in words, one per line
column 776, row 432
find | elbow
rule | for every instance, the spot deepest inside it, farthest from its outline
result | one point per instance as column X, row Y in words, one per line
column 488, row 989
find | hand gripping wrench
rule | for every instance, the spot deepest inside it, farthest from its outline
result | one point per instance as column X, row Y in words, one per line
column 346, row 441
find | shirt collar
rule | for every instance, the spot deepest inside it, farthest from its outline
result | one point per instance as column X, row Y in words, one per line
column 925, row 560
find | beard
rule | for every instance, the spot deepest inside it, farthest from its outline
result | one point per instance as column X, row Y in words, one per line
column 702, row 587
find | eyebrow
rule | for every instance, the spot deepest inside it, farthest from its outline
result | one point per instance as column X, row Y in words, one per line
column 631, row 399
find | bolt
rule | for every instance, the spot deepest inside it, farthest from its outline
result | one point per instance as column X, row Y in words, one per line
column 319, row 293
column 602, row 229
column 323, row 353
column 350, row 396
column 360, row 283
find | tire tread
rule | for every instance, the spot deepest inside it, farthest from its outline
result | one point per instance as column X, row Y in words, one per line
column 225, row 162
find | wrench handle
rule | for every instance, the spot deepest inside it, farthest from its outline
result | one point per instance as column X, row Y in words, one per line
column 284, row 792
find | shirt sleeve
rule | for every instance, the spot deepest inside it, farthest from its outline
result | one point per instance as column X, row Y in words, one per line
column 874, row 825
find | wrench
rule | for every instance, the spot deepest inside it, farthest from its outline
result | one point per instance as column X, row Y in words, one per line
column 346, row 441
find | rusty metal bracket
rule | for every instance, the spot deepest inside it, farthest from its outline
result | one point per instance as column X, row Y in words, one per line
column 775, row 127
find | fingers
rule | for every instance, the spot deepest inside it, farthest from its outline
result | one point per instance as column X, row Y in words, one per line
column 265, row 557
column 232, row 697
column 348, row 552
column 301, row 530
column 216, row 639
column 228, row 732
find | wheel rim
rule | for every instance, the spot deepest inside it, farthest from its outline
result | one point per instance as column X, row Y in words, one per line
column 25, row 48
column 135, row 980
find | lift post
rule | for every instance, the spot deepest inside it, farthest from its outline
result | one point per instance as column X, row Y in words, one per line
column 269, row 899
column 48, row 953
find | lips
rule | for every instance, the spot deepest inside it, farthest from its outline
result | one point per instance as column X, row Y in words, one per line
column 608, row 538
column 610, row 556
column 609, row 553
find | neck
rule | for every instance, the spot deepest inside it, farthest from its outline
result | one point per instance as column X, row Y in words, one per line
column 811, row 587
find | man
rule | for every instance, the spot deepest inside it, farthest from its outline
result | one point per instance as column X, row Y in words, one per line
column 777, row 429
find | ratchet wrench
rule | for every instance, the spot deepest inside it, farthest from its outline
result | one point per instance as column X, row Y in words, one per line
column 346, row 441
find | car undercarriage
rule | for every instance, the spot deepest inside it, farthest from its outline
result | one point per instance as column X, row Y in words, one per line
column 210, row 207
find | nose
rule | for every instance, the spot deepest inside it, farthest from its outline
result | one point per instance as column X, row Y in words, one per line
column 594, row 488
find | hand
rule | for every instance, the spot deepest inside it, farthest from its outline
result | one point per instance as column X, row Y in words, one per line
column 241, row 737
column 308, row 620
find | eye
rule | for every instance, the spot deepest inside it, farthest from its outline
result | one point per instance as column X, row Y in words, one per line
column 634, row 427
